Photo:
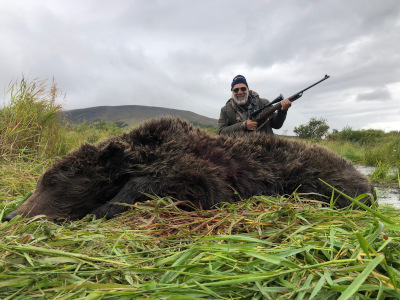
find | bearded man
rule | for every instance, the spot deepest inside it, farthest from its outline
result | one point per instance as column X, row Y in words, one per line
column 235, row 114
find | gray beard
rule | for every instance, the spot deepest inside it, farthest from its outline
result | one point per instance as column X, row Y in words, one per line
column 240, row 102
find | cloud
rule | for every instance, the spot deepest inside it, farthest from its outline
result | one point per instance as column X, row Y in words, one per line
column 380, row 94
column 184, row 55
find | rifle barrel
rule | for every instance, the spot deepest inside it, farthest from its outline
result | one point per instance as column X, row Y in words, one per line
column 299, row 94
column 325, row 78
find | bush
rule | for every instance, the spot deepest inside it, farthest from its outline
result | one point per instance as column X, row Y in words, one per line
column 315, row 129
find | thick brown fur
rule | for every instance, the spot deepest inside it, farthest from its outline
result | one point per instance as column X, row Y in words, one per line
column 168, row 157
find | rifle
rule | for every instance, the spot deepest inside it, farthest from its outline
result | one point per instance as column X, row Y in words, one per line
column 267, row 112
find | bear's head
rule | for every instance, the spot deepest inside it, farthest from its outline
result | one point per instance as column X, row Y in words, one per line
column 78, row 183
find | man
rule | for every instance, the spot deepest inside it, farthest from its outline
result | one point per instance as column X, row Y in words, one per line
column 234, row 115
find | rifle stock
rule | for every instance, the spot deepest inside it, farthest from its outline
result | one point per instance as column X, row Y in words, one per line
column 263, row 115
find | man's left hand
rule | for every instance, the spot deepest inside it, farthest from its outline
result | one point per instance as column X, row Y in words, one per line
column 285, row 104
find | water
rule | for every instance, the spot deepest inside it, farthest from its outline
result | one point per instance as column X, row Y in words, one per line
column 389, row 196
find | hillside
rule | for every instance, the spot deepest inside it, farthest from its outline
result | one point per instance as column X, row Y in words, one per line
column 133, row 114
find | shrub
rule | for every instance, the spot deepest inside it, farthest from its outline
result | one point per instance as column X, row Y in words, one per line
column 315, row 129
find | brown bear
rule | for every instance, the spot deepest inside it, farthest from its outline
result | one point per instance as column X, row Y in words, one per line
column 168, row 157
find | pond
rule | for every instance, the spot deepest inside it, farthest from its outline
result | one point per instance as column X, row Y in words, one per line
column 389, row 196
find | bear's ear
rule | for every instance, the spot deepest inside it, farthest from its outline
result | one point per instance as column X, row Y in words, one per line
column 112, row 154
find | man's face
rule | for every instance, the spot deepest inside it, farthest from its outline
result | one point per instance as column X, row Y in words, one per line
column 240, row 93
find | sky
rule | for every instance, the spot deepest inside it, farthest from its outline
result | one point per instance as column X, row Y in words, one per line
column 184, row 54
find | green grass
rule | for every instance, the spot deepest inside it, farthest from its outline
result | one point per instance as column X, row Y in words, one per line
column 348, row 150
column 76, row 134
column 262, row 248
column 369, row 148
column 366, row 147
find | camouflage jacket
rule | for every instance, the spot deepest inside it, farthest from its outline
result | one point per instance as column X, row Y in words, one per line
column 233, row 117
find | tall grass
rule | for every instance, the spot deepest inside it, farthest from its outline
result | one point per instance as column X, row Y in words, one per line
column 359, row 136
column 29, row 120
column 75, row 135
column 351, row 151
column 367, row 147
column 370, row 148
column 30, row 126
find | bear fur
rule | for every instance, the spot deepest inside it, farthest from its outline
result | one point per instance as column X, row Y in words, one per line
column 168, row 157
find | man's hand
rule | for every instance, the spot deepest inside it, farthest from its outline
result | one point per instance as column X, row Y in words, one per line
column 251, row 125
column 285, row 104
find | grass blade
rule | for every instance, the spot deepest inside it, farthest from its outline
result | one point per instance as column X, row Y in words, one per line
column 353, row 288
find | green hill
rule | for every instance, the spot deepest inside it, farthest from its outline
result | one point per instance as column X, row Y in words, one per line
column 133, row 114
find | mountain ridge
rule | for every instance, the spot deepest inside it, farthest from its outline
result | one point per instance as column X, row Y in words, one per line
column 133, row 115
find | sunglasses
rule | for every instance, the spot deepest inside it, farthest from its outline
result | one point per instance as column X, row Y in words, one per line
column 243, row 89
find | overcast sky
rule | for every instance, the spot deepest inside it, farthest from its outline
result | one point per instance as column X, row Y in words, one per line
column 184, row 54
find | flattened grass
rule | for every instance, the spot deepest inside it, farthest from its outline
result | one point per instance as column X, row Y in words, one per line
column 261, row 248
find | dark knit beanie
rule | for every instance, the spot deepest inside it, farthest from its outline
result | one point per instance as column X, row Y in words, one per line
column 238, row 79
